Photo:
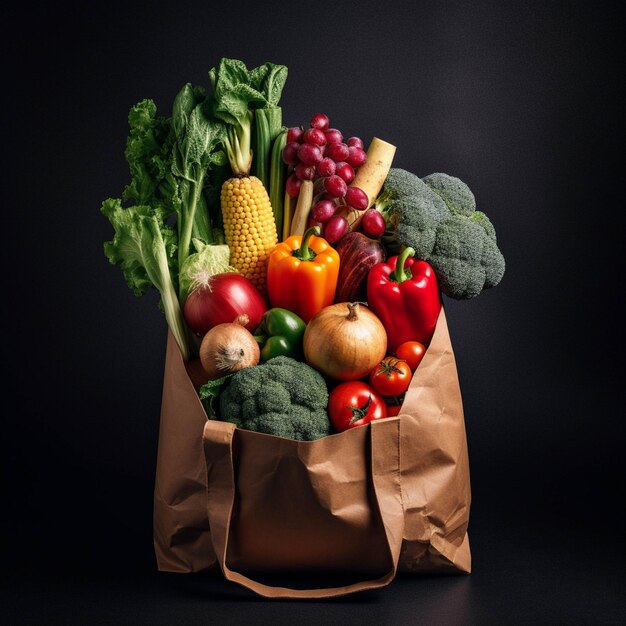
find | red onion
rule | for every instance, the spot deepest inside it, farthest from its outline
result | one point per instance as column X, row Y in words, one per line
column 220, row 299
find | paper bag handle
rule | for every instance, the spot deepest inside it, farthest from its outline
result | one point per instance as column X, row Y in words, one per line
column 218, row 443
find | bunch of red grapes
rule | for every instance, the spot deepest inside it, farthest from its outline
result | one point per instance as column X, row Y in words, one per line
column 321, row 155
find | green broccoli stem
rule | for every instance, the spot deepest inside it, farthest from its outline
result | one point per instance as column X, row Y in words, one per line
column 304, row 252
column 238, row 145
column 400, row 274
column 382, row 201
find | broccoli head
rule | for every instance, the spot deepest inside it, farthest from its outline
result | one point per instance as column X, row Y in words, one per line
column 282, row 397
column 453, row 191
column 437, row 217
column 465, row 255
column 412, row 212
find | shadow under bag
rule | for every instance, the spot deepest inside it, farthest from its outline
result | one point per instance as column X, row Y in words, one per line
column 393, row 495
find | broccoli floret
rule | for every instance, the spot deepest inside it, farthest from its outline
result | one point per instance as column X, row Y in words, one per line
column 466, row 258
column 453, row 191
column 282, row 397
column 412, row 212
column 480, row 218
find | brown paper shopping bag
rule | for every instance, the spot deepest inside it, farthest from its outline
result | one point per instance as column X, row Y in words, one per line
column 434, row 464
column 315, row 507
column 243, row 505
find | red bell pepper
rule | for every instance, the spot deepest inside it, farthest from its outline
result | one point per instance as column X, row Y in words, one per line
column 404, row 294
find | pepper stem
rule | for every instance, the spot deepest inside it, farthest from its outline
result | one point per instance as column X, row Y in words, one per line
column 304, row 253
column 400, row 274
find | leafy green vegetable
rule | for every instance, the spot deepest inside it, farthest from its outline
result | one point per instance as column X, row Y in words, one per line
column 209, row 394
column 198, row 138
column 207, row 261
column 143, row 246
column 268, row 120
column 176, row 163
column 168, row 158
column 237, row 93
column 148, row 153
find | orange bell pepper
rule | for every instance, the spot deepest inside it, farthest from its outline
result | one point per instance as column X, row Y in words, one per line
column 302, row 274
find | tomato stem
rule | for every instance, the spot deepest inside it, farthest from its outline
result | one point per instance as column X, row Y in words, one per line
column 359, row 412
column 388, row 367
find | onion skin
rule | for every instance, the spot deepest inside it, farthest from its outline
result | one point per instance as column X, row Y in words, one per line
column 345, row 341
column 228, row 348
column 220, row 299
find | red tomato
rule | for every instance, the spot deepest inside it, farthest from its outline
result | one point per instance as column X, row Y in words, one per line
column 394, row 404
column 393, row 410
column 391, row 376
column 412, row 352
column 354, row 403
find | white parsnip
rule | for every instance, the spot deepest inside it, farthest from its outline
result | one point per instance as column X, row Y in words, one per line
column 303, row 208
column 371, row 176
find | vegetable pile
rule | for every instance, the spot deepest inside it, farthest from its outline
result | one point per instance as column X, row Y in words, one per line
column 300, row 274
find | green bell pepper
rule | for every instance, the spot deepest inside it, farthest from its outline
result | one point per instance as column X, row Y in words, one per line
column 280, row 333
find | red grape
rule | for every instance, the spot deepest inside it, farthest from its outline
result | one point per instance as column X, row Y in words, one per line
column 355, row 141
column 335, row 228
column 335, row 186
column 326, row 167
column 290, row 153
column 346, row 171
column 356, row 198
column 338, row 151
column 323, row 210
column 326, row 196
column 356, row 156
column 319, row 120
column 295, row 134
column 309, row 154
column 305, row 172
column 333, row 135
column 314, row 136
column 292, row 185
column 373, row 223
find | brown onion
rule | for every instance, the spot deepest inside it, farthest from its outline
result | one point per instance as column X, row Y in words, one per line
column 345, row 341
column 228, row 348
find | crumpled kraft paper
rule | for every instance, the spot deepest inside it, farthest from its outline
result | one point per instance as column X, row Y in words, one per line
column 328, row 485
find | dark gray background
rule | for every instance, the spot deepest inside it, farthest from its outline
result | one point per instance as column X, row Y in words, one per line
column 521, row 100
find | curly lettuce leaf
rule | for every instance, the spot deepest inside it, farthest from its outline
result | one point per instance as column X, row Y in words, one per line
column 143, row 246
column 149, row 156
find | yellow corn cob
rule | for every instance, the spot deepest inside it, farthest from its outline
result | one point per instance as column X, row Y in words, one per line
column 249, row 227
